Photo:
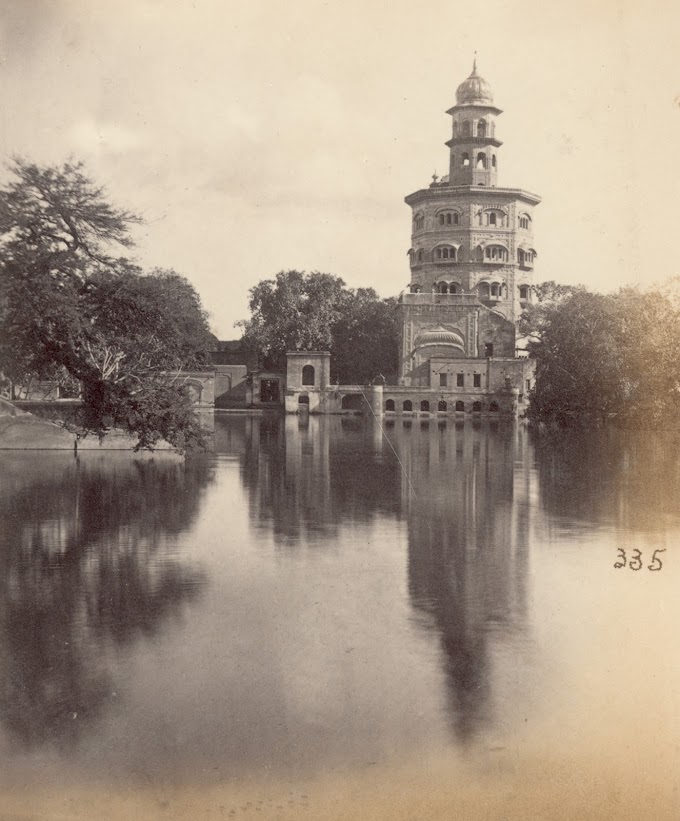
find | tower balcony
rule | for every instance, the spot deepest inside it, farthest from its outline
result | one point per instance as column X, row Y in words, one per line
column 435, row 298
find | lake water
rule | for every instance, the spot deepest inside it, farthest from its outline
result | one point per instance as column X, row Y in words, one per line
column 330, row 619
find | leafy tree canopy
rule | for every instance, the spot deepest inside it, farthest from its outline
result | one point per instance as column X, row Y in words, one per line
column 602, row 355
column 74, row 310
column 297, row 311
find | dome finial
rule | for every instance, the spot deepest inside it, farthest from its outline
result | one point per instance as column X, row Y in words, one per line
column 474, row 65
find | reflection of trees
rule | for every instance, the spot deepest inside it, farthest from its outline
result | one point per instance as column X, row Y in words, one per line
column 305, row 476
column 622, row 478
column 85, row 564
column 468, row 551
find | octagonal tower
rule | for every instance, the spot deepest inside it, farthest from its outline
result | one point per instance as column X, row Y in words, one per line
column 470, row 236
column 472, row 249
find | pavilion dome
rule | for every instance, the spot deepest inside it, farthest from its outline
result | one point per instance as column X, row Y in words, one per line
column 475, row 90
column 439, row 336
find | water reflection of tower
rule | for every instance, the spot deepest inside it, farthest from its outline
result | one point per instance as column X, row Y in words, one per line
column 468, row 551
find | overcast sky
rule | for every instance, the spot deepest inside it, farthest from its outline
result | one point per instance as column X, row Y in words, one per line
column 256, row 136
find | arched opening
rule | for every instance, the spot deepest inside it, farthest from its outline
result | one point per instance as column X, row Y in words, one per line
column 454, row 288
column 495, row 253
column 476, row 407
column 481, row 128
column 445, row 252
column 419, row 222
column 493, row 161
column 441, row 406
column 521, row 256
column 493, row 220
column 481, row 160
column 407, row 405
column 303, row 399
column 352, row 401
column 524, row 292
column 389, row 405
column 420, row 255
column 415, row 289
column 449, row 219
column 466, row 129
column 483, row 290
column 443, row 288
column 494, row 290
column 493, row 407
column 425, row 406
column 465, row 162
column 456, row 218
column 308, row 375
column 460, row 406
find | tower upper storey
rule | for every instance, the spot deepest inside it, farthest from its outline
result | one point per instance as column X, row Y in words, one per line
column 473, row 144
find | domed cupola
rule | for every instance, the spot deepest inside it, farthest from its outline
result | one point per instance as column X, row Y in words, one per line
column 439, row 336
column 475, row 90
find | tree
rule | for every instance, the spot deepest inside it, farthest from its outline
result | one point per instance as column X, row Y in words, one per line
column 578, row 360
column 546, row 295
column 297, row 311
column 365, row 339
column 608, row 355
column 71, row 309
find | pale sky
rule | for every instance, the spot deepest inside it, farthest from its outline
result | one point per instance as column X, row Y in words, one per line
column 256, row 136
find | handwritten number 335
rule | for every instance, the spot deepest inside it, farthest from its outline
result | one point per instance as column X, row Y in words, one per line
column 635, row 561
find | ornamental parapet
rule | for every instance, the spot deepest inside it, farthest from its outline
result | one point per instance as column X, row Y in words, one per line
column 435, row 298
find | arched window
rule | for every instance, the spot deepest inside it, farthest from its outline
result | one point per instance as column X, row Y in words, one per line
column 454, row 288
column 442, row 219
column 524, row 292
column 445, row 252
column 441, row 406
column 308, row 375
column 425, row 406
column 466, row 129
column 495, row 253
column 408, row 405
column 416, row 289
column 493, row 407
column 493, row 161
column 524, row 221
column 483, row 290
column 420, row 255
column 465, row 162
column 481, row 128
column 419, row 222
column 493, row 219
column 443, row 288
column 460, row 406
column 494, row 289
column 476, row 407
column 521, row 256
column 389, row 405
column 481, row 160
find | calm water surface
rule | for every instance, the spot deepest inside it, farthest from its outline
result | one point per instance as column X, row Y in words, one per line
column 321, row 597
